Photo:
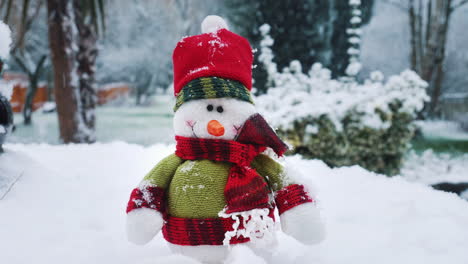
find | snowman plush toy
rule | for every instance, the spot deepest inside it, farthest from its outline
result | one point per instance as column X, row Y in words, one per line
column 218, row 189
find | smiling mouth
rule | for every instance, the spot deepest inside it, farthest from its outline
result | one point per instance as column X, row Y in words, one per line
column 192, row 125
column 237, row 128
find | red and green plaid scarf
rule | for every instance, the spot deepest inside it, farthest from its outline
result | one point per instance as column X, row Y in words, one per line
column 245, row 188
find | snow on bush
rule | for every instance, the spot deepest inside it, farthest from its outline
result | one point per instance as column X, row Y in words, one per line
column 295, row 95
column 310, row 101
column 6, row 88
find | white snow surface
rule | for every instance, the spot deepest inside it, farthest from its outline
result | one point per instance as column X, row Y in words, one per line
column 442, row 129
column 432, row 168
column 69, row 207
column 5, row 40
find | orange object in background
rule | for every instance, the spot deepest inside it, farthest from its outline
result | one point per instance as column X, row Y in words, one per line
column 112, row 92
column 105, row 94
column 20, row 88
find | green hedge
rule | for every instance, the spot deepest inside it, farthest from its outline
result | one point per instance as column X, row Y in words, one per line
column 379, row 150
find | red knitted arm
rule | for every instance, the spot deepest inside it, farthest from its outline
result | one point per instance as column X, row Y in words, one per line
column 149, row 197
column 291, row 196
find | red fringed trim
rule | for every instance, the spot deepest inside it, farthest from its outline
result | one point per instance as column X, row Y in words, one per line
column 291, row 196
column 149, row 197
column 194, row 232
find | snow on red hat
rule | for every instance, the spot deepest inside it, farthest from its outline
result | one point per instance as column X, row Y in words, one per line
column 217, row 52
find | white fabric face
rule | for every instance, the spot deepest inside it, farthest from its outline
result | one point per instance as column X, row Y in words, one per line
column 193, row 117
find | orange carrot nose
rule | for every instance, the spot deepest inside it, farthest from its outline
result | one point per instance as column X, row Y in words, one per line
column 215, row 128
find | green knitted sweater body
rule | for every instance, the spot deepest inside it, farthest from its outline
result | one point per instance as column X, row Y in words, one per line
column 195, row 189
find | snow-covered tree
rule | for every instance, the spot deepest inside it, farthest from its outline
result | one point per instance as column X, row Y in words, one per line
column 308, row 30
column 354, row 32
column 138, row 44
column 429, row 23
column 71, row 26
column 6, row 116
column 5, row 43
column 73, row 47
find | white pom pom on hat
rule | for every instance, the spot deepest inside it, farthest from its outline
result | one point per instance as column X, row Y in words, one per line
column 213, row 23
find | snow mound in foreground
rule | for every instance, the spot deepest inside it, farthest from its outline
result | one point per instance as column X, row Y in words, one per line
column 69, row 207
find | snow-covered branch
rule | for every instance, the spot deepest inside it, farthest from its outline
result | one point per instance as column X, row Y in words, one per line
column 354, row 39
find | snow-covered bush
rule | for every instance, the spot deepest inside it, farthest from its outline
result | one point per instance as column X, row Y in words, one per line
column 6, row 88
column 5, row 41
column 339, row 121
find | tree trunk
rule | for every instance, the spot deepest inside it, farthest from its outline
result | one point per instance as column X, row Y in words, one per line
column 428, row 44
column 86, row 58
column 436, row 92
column 414, row 34
column 33, row 76
column 28, row 103
column 435, row 50
column 62, row 39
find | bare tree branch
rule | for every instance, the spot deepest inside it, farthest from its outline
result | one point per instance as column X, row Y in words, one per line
column 22, row 64
column 8, row 11
column 25, row 26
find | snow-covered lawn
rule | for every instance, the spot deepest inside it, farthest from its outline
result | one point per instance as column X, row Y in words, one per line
column 143, row 125
column 439, row 129
column 68, row 207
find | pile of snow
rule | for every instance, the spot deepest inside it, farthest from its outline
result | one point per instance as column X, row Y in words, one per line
column 294, row 95
column 432, row 168
column 5, row 41
column 69, row 207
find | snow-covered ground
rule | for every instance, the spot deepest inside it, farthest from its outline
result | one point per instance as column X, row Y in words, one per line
column 68, row 207
column 144, row 125
column 432, row 168
column 439, row 129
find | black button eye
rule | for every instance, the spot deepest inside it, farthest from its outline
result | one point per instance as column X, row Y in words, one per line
column 209, row 108
column 219, row 109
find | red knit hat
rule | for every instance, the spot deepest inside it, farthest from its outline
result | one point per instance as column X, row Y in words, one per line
column 220, row 53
